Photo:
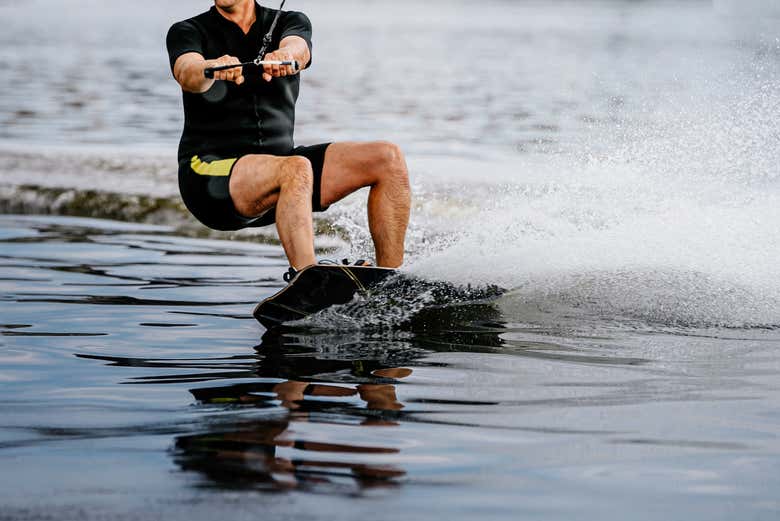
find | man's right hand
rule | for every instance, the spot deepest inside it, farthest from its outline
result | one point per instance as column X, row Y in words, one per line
column 236, row 75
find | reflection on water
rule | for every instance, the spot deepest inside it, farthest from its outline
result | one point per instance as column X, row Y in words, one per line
column 178, row 404
column 348, row 381
column 272, row 453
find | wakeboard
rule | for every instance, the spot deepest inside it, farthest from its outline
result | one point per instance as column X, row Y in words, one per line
column 318, row 287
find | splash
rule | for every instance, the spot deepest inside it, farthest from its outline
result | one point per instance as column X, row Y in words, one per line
column 668, row 211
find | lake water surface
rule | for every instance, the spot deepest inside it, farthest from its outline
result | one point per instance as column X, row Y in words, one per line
column 136, row 385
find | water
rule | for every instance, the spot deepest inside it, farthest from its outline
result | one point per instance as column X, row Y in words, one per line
column 613, row 165
column 137, row 385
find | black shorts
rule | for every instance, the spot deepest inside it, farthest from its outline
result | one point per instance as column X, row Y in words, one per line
column 204, row 186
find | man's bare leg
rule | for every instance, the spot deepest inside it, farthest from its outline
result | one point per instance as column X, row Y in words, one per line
column 381, row 166
column 260, row 182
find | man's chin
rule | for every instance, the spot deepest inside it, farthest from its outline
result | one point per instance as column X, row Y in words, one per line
column 228, row 5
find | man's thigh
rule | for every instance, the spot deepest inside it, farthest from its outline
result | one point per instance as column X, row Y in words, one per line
column 350, row 166
column 254, row 183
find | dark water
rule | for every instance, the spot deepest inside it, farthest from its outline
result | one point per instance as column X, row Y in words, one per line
column 136, row 386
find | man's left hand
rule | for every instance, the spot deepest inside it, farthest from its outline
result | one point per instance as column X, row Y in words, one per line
column 276, row 71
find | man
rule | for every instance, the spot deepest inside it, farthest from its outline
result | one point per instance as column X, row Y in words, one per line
column 237, row 163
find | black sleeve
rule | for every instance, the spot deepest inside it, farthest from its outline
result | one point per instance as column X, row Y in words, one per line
column 297, row 24
column 183, row 37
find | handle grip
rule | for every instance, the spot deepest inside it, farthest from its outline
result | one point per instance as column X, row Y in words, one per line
column 209, row 71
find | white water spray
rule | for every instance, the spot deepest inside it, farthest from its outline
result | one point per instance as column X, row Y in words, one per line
column 669, row 214
column 674, row 219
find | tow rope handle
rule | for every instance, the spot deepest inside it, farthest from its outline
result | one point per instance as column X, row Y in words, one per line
column 209, row 71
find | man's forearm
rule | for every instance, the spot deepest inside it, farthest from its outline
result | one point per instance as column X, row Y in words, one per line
column 290, row 48
column 298, row 48
column 188, row 71
column 194, row 80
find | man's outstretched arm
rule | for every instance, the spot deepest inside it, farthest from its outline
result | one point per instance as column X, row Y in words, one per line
column 189, row 67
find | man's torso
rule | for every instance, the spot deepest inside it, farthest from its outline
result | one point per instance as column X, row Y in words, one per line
column 229, row 119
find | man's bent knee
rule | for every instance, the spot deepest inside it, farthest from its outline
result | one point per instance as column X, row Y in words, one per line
column 386, row 162
column 251, row 197
column 390, row 154
column 393, row 164
column 297, row 170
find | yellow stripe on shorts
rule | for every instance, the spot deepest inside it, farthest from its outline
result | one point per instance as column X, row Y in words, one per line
column 220, row 167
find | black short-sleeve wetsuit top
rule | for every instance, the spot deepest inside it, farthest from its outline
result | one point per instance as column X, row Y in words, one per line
column 231, row 120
